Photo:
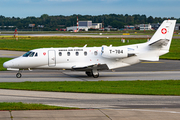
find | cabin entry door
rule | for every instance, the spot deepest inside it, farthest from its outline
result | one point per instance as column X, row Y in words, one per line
column 52, row 58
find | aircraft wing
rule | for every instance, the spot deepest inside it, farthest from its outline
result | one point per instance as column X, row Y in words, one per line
column 90, row 67
column 160, row 43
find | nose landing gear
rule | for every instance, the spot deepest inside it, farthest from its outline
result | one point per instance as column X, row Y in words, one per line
column 19, row 75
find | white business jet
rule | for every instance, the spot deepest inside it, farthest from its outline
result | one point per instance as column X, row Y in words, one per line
column 93, row 59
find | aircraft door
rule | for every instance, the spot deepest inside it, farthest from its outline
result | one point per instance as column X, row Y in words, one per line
column 52, row 58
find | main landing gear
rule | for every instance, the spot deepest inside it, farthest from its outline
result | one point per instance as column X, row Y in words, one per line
column 92, row 73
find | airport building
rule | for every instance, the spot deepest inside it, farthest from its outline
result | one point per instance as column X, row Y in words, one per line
column 177, row 27
column 85, row 25
column 129, row 27
column 145, row 27
column 96, row 26
column 155, row 26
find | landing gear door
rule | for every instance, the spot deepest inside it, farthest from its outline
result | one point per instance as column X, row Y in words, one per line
column 51, row 58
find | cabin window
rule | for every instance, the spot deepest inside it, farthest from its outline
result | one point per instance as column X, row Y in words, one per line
column 68, row 53
column 85, row 53
column 77, row 53
column 60, row 53
column 36, row 54
column 95, row 52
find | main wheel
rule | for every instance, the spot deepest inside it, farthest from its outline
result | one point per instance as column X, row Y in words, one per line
column 18, row 75
column 96, row 76
column 89, row 74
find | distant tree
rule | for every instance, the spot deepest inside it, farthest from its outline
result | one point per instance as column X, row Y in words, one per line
column 53, row 22
column 117, row 24
column 150, row 19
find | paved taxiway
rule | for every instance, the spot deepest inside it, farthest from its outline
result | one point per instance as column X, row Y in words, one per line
column 99, row 106
column 54, row 75
column 93, row 35
column 93, row 114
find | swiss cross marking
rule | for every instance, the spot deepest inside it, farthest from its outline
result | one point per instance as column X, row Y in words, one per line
column 44, row 53
column 164, row 31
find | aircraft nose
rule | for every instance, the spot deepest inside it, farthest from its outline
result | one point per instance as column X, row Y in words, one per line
column 7, row 64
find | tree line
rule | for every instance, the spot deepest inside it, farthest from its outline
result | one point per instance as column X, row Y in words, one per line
column 56, row 22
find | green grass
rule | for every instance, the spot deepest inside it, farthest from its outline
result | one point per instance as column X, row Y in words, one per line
column 174, row 52
column 166, row 87
column 31, row 106
column 2, row 60
column 29, row 43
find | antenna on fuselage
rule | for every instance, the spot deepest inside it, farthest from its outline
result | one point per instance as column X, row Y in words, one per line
column 85, row 45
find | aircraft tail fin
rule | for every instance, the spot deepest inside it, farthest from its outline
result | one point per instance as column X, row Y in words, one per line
column 163, row 36
column 160, row 42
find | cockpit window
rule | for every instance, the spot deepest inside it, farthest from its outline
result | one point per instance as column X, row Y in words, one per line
column 30, row 54
column 27, row 54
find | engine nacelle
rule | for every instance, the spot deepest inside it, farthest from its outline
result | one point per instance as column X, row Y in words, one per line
column 114, row 52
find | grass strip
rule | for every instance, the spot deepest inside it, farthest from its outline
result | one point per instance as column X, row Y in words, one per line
column 29, row 43
column 164, row 87
column 30, row 106
column 2, row 60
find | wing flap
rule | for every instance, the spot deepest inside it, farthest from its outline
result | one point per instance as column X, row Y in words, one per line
column 90, row 67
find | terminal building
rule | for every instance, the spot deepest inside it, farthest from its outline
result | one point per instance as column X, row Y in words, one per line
column 145, row 27
column 85, row 26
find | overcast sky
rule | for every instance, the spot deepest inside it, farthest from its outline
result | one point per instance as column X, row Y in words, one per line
column 25, row 8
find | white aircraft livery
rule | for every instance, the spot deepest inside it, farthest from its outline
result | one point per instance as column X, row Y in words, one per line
column 93, row 59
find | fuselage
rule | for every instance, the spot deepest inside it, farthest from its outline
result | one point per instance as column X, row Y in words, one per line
column 76, row 57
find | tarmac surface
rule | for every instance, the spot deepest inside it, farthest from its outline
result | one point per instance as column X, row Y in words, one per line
column 93, row 35
column 93, row 114
column 95, row 106
column 60, row 75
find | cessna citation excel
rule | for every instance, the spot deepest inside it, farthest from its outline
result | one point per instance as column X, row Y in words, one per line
column 93, row 59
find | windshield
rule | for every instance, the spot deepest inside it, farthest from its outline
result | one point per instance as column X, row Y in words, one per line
column 30, row 54
column 27, row 54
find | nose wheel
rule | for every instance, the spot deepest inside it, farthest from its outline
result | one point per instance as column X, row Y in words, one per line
column 18, row 75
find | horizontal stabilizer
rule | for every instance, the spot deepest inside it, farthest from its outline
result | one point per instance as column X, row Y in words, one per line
column 160, row 43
